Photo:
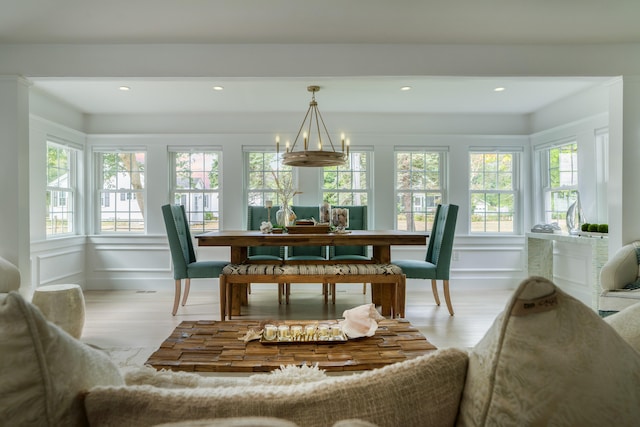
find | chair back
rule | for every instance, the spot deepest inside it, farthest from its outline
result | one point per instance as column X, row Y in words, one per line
column 441, row 239
column 180, row 243
column 357, row 221
column 255, row 216
column 307, row 212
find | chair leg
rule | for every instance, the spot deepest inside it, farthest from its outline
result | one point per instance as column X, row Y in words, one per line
column 223, row 296
column 280, row 292
column 434, row 288
column 364, row 289
column 176, row 298
column 287, row 292
column 447, row 297
column 187, row 287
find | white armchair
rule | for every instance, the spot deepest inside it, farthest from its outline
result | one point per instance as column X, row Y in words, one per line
column 9, row 277
column 617, row 277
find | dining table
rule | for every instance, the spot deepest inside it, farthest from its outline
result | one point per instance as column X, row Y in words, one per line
column 381, row 242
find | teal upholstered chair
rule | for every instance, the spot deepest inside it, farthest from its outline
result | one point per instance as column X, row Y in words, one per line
column 437, row 264
column 307, row 253
column 185, row 265
column 255, row 216
column 357, row 221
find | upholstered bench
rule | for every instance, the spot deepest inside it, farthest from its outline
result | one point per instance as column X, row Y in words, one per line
column 330, row 274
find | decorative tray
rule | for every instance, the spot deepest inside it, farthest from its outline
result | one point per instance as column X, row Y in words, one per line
column 297, row 334
column 309, row 229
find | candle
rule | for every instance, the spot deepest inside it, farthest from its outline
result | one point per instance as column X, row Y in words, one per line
column 270, row 332
column 342, row 138
column 277, row 144
column 348, row 143
column 304, row 135
column 288, row 146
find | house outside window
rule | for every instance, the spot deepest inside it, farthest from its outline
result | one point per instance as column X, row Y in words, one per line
column 420, row 187
column 264, row 170
column 121, row 191
column 61, row 190
column 195, row 184
column 560, row 181
column 348, row 185
column 493, row 188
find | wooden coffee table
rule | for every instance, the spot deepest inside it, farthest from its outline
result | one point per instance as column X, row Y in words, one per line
column 210, row 346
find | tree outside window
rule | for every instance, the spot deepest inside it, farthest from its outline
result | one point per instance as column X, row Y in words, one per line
column 196, row 185
column 121, row 191
column 61, row 190
column 493, row 192
column 419, row 188
column 347, row 185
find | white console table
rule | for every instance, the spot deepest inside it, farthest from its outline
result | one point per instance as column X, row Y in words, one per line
column 573, row 263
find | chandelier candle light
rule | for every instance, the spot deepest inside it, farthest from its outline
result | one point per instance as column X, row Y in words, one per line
column 313, row 158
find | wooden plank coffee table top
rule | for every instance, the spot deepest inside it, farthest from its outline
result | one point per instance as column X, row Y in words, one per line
column 210, row 346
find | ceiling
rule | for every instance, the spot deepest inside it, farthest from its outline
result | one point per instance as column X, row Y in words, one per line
column 328, row 21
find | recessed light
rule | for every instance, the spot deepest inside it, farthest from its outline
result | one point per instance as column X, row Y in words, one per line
column 218, row 88
column 499, row 89
column 405, row 88
column 124, row 88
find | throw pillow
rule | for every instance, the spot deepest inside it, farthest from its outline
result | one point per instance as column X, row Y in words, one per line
column 44, row 370
column 550, row 360
column 627, row 324
column 418, row 392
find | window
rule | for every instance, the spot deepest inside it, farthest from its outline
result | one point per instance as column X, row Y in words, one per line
column 264, row 171
column 348, row 185
column 61, row 189
column 121, row 191
column 419, row 188
column 493, row 188
column 560, row 181
column 195, row 184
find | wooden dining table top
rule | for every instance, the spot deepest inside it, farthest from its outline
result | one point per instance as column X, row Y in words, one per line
column 351, row 238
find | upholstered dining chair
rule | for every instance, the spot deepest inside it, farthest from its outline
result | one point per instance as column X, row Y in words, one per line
column 437, row 263
column 185, row 265
column 255, row 216
column 357, row 221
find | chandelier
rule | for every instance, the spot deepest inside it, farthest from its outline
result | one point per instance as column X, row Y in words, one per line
column 317, row 156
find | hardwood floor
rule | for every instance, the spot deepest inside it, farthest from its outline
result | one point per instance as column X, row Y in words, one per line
column 142, row 319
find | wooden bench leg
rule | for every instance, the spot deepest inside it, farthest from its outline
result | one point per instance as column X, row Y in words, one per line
column 223, row 296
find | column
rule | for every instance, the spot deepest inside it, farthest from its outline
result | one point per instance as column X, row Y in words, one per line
column 14, row 175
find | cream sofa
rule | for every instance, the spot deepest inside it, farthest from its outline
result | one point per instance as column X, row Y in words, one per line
column 618, row 278
column 547, row 360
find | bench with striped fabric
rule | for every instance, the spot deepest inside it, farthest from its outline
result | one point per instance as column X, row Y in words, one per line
column 330, row 274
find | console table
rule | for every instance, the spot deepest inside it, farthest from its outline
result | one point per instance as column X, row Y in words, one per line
column 572, row 262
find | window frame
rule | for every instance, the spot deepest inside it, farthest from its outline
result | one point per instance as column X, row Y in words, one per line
column 428, row 211
column 548, row 214
column 366, row 191
column 114, row 194
column 514, row 192
column 197, row 215
column 269, row 190
column 72, row 189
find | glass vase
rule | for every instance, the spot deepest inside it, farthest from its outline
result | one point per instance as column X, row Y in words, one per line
column 285, row 216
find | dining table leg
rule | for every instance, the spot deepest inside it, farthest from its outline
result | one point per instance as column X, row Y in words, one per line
column 382, row 293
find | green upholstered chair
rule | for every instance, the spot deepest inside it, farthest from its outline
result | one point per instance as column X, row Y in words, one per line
column 357, row 221
column 437, row 263
column 185, row 265
column 307, row 253
column 255, row 216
